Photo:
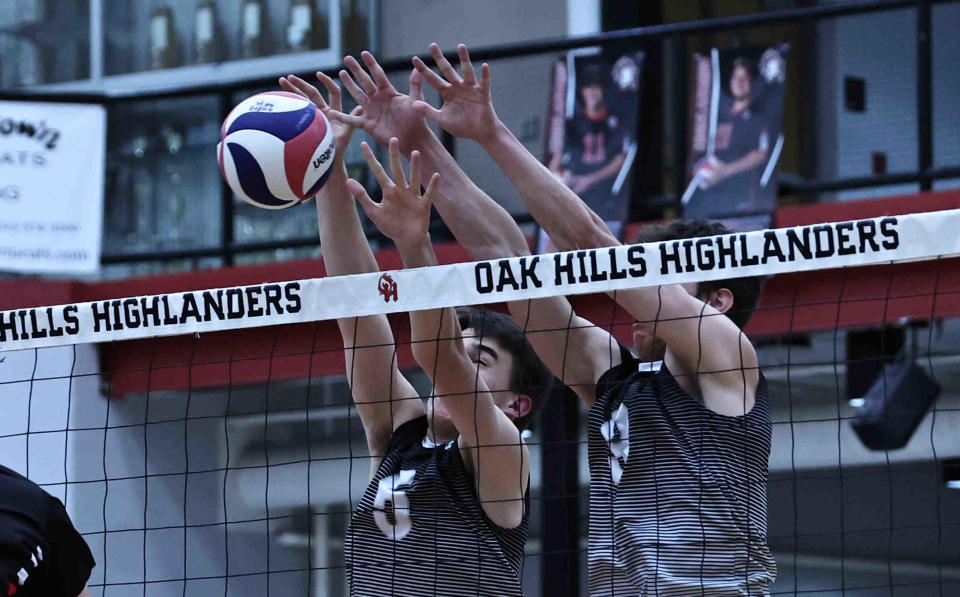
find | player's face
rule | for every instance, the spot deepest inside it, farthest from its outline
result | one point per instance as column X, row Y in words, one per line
column 592, row 96
column 650, row 347
column 494, row 366
column 740, row 83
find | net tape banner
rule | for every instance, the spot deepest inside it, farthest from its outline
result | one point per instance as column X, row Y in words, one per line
column 763, row 252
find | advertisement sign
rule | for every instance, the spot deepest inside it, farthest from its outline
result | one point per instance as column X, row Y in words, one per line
column 736, row 136
column 51, row 186
column 591, row 130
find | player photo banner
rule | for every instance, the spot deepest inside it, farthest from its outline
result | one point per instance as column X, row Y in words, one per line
column 51, row 187
column 736, row 136
column 591, row 130
column 603, row 270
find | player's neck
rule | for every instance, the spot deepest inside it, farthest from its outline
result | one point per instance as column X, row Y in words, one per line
column 440, row 435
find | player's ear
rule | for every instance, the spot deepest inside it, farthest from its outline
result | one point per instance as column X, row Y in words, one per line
column 521, row 406
column 721, row 299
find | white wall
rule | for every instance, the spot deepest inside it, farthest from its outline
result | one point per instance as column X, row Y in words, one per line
column 882, row 49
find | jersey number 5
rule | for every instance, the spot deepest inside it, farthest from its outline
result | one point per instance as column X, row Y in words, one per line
column 391, row 490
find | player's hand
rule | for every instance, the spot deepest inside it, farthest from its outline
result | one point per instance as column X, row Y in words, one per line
column 384, row 111
column 342, row 131
column 404, row 214
column 467, row 109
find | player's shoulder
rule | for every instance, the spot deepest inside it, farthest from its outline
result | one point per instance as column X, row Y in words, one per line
column 27, row 500
column 16, row 491
column 616, row 376
column 409, row 434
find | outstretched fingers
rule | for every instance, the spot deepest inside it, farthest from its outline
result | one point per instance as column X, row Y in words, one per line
column 352, row 88
column 431, row 193
column 378, row 172
column 363, row 79
column 353, row 119
column 432, row 78
column 415, row 170
column 416, row 85
column 444, row 65
column 485, row 77
column 466, row 67
column 295, row 84
column 399, row 178
column 333, row 91
column 426, row 110
column 376, row 71
column 360, row 195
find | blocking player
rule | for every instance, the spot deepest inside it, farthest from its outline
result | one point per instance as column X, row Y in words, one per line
column 446, row 508
column 705, row 413
column 681, row 508
column 41, row 554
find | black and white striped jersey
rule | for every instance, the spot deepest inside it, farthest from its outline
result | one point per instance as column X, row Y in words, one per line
column 678, row 502
column 420, row 530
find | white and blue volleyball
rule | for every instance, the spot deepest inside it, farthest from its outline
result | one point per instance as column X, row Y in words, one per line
column 275, row 149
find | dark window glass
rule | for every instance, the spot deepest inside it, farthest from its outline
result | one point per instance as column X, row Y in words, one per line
column 44, row 41
column 159, row 34
column 163, row 184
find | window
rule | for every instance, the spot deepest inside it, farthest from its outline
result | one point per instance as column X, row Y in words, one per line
column 162, row 185
column 43, row 41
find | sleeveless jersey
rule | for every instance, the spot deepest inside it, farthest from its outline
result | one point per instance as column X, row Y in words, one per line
column 678, row 502
column 419, row 529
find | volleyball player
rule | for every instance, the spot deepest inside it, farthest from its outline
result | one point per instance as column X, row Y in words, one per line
column 678, row 457
column 41, row 554
column 684, row 510
column 446, row 509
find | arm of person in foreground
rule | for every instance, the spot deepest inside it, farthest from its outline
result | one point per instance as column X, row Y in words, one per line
column 384, row 398
column 706, row 344
column 575, row 350
column 492, row 445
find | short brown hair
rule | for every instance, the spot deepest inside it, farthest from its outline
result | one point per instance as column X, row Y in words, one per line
column 529, row 376
column 746, row 291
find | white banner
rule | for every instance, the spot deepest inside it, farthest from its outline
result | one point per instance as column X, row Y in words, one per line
column 51, row 186
column 763, row 252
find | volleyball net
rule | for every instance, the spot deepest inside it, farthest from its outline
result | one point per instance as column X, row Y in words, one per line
column 205, row 441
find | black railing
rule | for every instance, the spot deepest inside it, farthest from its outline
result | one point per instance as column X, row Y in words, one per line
column 806, row 189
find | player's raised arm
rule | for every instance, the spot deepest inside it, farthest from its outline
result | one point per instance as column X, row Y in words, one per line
column 383, row 113
column 576, row 351
column 489, row 440
column 468, row 112
column 703, row 343
column 384, row 398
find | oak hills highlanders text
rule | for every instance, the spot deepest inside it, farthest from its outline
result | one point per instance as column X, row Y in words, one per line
column 727, row 252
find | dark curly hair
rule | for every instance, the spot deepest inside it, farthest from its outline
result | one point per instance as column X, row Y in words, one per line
column 529, row 376
column 745, row 291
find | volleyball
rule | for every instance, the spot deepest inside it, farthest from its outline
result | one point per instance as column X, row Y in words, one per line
column 275, row 149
